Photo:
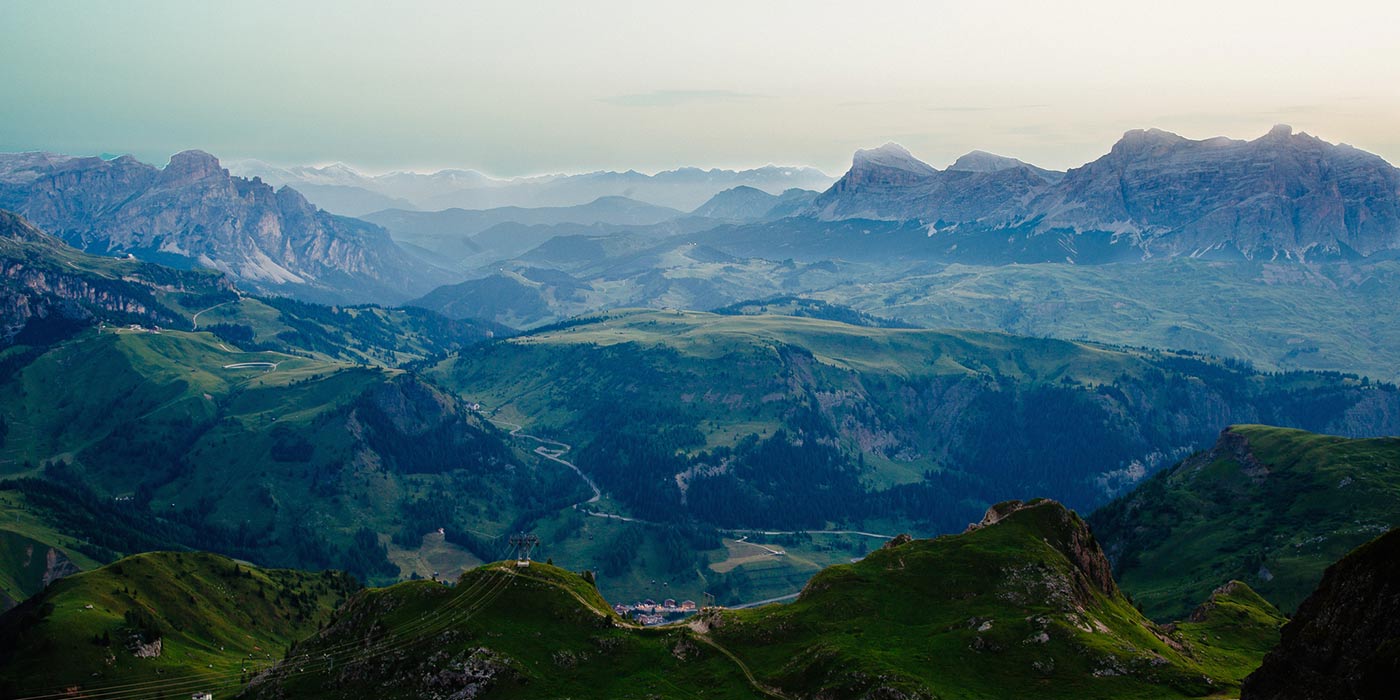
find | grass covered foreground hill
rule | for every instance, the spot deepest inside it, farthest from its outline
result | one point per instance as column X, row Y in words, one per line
column 1022, row 605
column 162, row 624
column 779, row 422
column 501, row 632
column 1270, row 506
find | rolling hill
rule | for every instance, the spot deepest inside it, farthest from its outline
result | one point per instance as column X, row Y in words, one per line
column 1269, row 506
column 786, row 423
column 1022, row 604
column 272, row 457
column 167, row 623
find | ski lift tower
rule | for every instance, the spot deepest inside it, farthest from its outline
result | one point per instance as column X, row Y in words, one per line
column 523, row 544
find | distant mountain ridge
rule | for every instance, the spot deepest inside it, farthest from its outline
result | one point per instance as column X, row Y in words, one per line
column 193, row 213
column 1154, row 195
column 336, row 186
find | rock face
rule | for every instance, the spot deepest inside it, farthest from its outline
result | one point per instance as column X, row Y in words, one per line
column 1345, row 640
column 1281, row 195
column 888, row 183
column 194, row 213
column 44, row 293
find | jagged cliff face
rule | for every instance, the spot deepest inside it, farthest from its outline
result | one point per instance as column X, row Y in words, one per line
column 888, row 183
column 1282, row 195
column 194, row 210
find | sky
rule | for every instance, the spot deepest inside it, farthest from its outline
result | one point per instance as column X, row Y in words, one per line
column 517, row 88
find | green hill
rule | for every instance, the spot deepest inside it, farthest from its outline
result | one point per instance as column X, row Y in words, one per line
column 185, row 441
column 1270, row 506
column 1020, row 607
column 165, row 621
column 1023, row 605
column 779, row 422
column 501, row 632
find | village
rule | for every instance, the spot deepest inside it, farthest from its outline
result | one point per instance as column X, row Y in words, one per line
column 650, row 612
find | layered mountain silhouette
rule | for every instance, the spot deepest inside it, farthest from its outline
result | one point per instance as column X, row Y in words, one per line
column 1284, row 194
column 193, row 213
column 343, row 189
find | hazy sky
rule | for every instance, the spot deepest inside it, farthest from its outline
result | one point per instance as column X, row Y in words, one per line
column 527, row 87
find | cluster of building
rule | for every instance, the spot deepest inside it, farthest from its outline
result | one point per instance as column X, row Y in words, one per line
column 650, row 612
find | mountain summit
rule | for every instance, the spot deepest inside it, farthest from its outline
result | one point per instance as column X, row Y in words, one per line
column 193, row 213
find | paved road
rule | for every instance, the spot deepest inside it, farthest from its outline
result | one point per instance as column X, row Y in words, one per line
column 194, row 320
column 555, row 455
column 811, row 532
column 554, row 450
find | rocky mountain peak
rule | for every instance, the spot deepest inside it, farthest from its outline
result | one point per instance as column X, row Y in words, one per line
column 984, row 162
column 191, row 166
column 890, row 156
column 1145, row 140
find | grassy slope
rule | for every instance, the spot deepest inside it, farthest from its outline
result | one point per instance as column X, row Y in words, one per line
column 212, row 623
column 1216, row 517
column 1269, row 313
column 82, row 390
column 365, row 334
column 535, row 379
column 956, row 617
column 110, row 400
column 1232, row 630
column 549, row 635
column 963, row 617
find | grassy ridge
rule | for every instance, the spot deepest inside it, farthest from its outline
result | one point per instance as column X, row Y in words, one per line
column 1017, row 609
column 539, row 633
column 213, row 618
column 1269, row 506
column 1021, row 607
column 1335, row 317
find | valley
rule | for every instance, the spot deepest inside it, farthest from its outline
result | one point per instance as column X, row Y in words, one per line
column 988, row 430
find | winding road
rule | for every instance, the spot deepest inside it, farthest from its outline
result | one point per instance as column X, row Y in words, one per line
column 554, row 450
column 194, row 320
column 555, row 454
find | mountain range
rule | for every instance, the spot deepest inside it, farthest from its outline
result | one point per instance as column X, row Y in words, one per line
column 1154, row 195
column 193, row 213
column 343, row 189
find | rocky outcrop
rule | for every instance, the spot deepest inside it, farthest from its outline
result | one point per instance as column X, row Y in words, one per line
column 1344, row 641
column 194, row 211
